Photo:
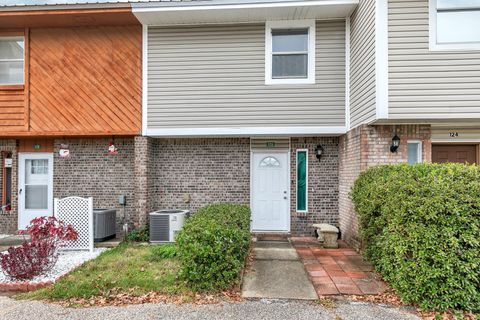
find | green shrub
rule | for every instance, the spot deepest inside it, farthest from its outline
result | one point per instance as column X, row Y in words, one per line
column 421, row 228
column 164, row 251
column 213, row 246
column 140, row 235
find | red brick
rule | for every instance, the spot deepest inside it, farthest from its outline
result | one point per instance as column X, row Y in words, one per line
column 332, row 267
column 319, row 280
column 324, row 289
column 358, row 275
column 348, row 288
column 314, row 267
column 342, row 280
column 321, row 273
column 368, row 287
column 336, row 273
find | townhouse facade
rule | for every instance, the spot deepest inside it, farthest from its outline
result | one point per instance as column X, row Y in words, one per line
column 70, row 86
column 275, row 104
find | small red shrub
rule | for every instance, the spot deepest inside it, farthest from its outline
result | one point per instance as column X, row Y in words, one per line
column 39, row 255
column 29, row 260
column 49, row 227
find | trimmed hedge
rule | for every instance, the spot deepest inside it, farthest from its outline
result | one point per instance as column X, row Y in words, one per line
column 421, row 228
column 213, row 245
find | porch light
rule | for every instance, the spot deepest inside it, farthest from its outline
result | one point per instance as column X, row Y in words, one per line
column 395, row 143
column 318, row 152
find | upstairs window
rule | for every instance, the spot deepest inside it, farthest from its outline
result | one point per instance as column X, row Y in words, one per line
column 11, row 60
column 290, row 52
column 455, row 24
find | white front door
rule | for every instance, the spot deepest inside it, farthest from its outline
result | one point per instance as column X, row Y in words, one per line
column 35, row 187
column 270, row 192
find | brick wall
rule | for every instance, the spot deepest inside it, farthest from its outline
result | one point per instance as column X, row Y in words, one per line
column 91, row 172
column 367, row 146
column 322, row 184
column 9, row 219
column 349, row 168
column 190, row 173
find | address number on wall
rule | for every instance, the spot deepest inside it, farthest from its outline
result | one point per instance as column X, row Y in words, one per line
column 453, row 134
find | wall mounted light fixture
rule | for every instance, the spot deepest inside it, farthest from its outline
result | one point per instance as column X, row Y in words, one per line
column 395, row 142
column 318, row 152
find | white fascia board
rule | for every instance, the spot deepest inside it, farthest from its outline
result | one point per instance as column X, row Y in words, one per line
column 245, row 132
column 158, row 14
column 347, row 73
column 138, row 7
column 381, row 58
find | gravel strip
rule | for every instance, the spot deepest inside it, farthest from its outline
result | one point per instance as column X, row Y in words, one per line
column 67, row 261
column 251, row 310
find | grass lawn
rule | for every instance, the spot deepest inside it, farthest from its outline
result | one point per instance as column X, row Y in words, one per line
column 128, row 268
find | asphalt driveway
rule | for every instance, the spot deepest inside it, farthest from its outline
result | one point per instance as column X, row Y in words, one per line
column 252, row 310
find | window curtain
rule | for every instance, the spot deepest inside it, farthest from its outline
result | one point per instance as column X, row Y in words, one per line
column 302, row 181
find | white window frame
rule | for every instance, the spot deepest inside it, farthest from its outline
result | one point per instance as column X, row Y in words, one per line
column 419, row 149
column 14, row 60
column 432, row 25
column 290, row 24
column 296, row 180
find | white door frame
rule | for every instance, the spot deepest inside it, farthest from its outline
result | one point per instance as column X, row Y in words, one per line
column 289, row 210
column 22, row 156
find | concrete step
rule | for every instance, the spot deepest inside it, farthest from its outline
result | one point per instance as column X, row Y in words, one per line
column 271, row 236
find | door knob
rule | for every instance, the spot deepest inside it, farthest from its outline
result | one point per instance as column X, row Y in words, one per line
column 285, row 198
column 20, row 191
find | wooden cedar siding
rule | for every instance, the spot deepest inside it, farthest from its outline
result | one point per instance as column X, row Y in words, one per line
column 85, row 81
column 12, row 107
column 80, row 81
column 14, row 98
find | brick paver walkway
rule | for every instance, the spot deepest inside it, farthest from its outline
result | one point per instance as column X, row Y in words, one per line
column 337, row 271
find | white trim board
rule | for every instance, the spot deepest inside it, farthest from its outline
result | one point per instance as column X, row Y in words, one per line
column 138, row 7
column 246, row 131
column 381, row 58
column 196, row 12
column 144, row 79
column 347, row 73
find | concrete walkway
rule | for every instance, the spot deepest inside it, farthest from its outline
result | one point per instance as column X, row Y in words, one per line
column 277, row 273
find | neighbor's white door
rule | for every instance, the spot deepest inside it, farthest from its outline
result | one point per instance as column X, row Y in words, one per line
column 35, row 187
column 270, row 192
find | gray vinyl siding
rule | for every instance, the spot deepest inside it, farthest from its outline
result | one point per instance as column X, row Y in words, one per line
column 214, row 76
column 425, row 84
column 362, row 64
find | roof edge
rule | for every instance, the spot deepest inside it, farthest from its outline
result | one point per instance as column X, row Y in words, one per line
column 85, row 6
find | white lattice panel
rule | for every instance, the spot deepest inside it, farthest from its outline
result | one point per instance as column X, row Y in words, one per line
column 79, row 213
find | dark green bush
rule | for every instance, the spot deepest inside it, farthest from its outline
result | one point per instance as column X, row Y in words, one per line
column 213, row 246
column 421, row 228
column 140, row 235
column 163, row 251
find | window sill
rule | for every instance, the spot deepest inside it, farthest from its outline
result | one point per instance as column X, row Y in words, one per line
column 4, row 87
column 289, row 81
